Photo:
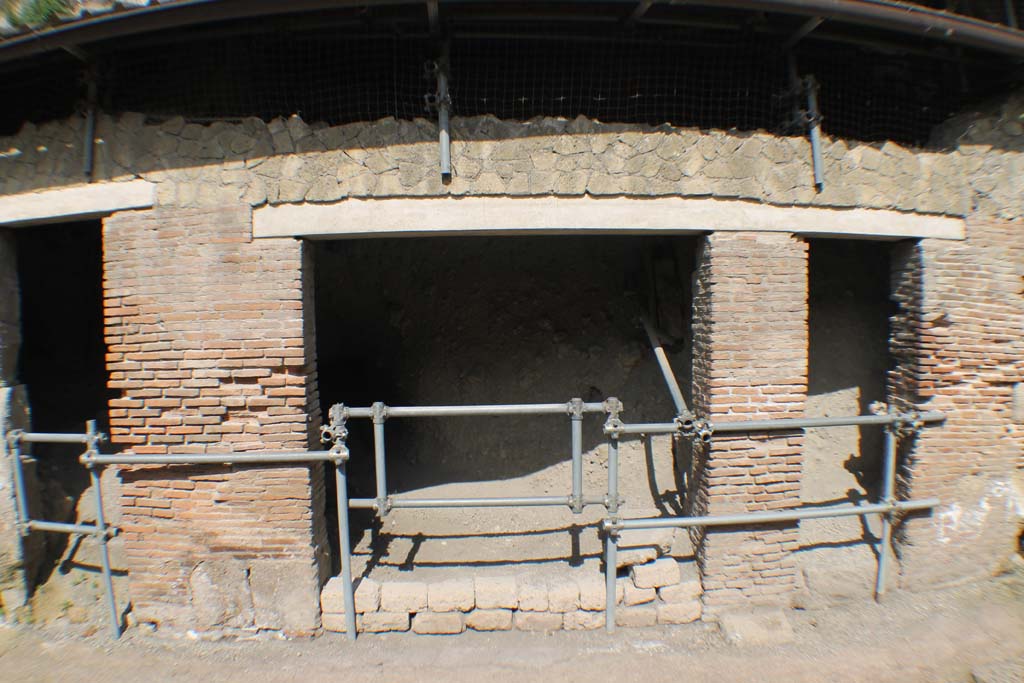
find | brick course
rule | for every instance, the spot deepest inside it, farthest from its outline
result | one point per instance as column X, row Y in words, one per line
column 750, row 362
column 958, row 342
column 210, row 349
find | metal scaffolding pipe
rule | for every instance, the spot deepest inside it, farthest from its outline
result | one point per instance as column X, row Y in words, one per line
column 577, row 455
column 38, row 437
column 525, row 501
column 63, row 528
column 613, row 476
column 783, row 424
column 888, row 484
column 341, row 484
column 101, row 528
column 380, row 470
column 749, row 518
column 649, row 428
column 611, row 560
column 297, row 457
column 20, row 497
column 476, row 410
column 444, row 102
column 812, row 422
column 666, row 370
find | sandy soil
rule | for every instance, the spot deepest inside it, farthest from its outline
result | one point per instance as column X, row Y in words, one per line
column 968, row 633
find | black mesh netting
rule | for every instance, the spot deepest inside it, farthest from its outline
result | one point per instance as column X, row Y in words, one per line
column 722, row 81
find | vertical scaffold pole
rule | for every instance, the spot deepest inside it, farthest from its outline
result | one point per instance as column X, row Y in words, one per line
column 337, row 434
column 888, row 486
column 341, row 481
column 20, row 497
column 576, row 414
column 380, row 414
column 611, row 559
column 101, row 527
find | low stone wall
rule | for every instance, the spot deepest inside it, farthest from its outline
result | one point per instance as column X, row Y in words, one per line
column 663, row 591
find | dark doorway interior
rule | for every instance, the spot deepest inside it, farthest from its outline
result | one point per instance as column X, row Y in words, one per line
column 475, row 320
column 62, row 357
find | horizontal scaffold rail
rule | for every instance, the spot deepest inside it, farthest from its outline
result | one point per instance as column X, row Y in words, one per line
column 336, row 434
column 257, row 458
column 380, row 410
column 771, row 517
column 780, row 424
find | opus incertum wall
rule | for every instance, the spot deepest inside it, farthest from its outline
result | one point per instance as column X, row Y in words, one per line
column 211, row 346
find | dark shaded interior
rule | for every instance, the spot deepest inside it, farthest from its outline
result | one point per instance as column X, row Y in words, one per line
column 62, row 357
column 849, row 337
column 474, row 320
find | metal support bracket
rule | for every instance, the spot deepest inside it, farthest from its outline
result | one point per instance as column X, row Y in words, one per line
column 807, row 117
column 441, row 102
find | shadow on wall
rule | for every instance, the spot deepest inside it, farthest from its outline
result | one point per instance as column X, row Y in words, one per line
column 479, row 321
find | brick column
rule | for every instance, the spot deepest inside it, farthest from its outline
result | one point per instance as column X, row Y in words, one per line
column 958, row 343
column 210, row 343
column 750, row 362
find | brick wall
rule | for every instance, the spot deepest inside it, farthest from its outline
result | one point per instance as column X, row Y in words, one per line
column 750, row 361
column 211, row 351
column 958, row 343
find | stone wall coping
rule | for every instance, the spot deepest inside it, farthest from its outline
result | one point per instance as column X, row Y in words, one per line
column 78, row 202
column 409, row 217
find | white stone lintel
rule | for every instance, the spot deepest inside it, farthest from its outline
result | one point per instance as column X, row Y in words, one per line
column 411, row 217
column 76, row 202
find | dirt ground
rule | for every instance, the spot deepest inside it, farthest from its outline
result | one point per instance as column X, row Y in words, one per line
column 968, row 633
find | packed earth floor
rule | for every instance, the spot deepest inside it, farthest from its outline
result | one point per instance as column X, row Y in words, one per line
column 973, row 633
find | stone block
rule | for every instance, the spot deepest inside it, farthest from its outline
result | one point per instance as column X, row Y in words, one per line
column 380, row 622
column 592, row 592
column 403, row 596
column 367, row 595
column 454, row 595
column 437, row 623
column 533, row 595
column 631, row 595
column 763, row 626
column 647, row 615
column 538, row 621
column 496, row 592
column 564, row 596
column 680, row 592
column 679, row 612
column 284, row 595
column 663, row 572
column 582, row 621
column 336, row 622
column 489, row 620
column 220, row 595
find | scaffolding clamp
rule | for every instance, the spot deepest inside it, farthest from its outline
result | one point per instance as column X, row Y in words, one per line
column 806, row 117
column 613, row 424
column 575, row 408
column 907, row 424
column 336, row 433
column 379, row 412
